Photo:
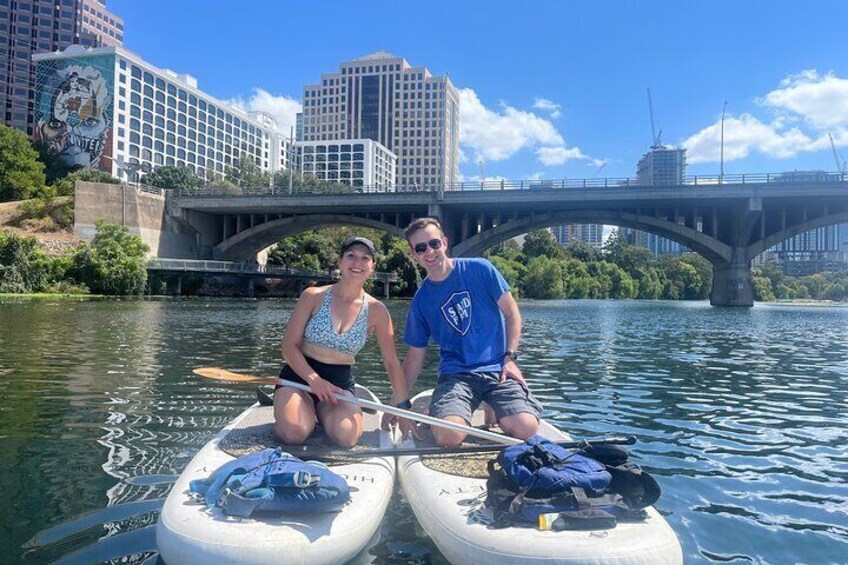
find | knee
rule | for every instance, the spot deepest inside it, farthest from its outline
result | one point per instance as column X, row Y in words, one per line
column 521, row 426
column 344, row 436
column 447, row 438
column 292, row 433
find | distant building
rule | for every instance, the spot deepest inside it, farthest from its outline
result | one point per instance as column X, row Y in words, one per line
column 109, row 109
column 661, row 166
column 406, row 109
column 591, row 234
column 363, row 163
column 42, row 26
column 814, row 251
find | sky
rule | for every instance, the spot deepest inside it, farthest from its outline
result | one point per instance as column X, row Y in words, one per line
column 548, row 89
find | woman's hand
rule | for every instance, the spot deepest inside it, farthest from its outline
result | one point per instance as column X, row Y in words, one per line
column 324, row 390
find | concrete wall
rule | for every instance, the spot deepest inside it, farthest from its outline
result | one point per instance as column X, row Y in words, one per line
column 141, row 212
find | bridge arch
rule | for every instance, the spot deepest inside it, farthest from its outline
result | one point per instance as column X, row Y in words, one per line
column 762, row 245
column 710, row 248
column 246, row 244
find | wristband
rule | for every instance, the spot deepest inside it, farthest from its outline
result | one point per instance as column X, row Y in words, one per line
column 405, row 405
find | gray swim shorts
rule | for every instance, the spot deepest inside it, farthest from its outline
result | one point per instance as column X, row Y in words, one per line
column 461, row 394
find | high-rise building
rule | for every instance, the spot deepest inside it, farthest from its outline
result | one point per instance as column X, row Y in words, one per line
column 107, row 108
column 42, row 26
column 662, row 166
column 591, row 234
column 382, row 97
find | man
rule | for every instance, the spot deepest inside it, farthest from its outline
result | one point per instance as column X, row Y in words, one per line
column 465, row 306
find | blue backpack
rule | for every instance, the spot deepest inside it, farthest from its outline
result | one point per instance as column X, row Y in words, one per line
column 540, row 477
column 272, row 480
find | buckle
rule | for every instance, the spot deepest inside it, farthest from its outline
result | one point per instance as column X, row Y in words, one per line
column 304, row 479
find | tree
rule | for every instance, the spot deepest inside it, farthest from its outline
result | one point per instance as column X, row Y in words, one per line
column 543, row 278
column 65, row 186
column 247, row 174
column 21, row 172
column 113, row 263
column 23, row 268
column 172, row 177
column 542, row 243
column 582, row 251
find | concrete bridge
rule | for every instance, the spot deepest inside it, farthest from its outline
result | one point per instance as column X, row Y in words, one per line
column 728, row 220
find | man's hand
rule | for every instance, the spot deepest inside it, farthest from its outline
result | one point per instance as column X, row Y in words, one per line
column 408, row 428
column 511, row 371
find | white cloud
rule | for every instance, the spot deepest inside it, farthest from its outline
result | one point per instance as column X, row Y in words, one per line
column 743, row 135
column 807, row 107
column 552, row 108
column 552, row 156
column 282, row 108
column 819, row 100
column 498, row 135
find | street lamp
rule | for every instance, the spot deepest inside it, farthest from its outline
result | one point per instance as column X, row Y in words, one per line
column 721, row 174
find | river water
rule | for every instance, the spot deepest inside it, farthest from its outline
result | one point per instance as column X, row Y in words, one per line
column 742, row 415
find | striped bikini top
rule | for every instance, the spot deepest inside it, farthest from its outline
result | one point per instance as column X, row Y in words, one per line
column 319, row 330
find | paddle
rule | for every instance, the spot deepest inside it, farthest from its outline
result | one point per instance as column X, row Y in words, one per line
column 306, row 451
column 224, row 375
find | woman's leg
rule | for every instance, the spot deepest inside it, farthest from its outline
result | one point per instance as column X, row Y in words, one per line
column 342, row 422
column 294, row 415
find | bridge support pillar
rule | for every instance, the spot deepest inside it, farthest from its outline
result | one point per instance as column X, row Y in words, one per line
column 732, row 283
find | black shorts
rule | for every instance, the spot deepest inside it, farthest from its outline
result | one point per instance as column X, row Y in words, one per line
column 339, row 375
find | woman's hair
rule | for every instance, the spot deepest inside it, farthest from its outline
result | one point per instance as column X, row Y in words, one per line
column 420, row 224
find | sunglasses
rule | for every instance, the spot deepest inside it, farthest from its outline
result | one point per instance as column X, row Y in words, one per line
column 421, row 248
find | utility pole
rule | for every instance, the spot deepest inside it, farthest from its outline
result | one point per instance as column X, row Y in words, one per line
column 721, row 173
column 291, row 160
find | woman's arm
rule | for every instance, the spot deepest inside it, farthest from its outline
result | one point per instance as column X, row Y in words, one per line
column 385, row 333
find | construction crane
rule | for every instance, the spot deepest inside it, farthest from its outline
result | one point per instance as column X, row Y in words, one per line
column 843, row 168
column 655, row 136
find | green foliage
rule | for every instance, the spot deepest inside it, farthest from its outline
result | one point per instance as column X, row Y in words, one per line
column 513, row 272
column 543, row 278
column 65, row 186
column 762, row 289
column 21, row 172
column 247, row 174
column 113, row 263
column 55, row 212
column 23, row 267
column 172, row 177
column 542, row 243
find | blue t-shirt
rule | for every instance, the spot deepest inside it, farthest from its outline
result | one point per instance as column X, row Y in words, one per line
column 461, row 314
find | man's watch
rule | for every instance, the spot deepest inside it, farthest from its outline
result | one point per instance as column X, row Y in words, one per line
column 512, row 354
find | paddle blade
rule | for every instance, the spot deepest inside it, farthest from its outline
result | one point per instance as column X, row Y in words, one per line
column 224, row 375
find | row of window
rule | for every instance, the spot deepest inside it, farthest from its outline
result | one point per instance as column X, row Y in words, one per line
column 157, row 156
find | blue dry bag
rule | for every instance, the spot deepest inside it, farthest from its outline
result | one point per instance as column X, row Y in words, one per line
column 272, row 480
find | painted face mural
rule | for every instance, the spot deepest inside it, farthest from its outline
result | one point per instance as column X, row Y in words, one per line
column 74, row 113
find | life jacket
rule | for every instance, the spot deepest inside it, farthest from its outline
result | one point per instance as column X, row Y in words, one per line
column 272, row 480
column 593, row 487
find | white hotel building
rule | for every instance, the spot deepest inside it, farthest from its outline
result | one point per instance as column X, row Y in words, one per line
column 362, row 163
column 406, row 109
column 104, row 106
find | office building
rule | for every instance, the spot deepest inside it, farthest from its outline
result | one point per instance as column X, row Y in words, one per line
column 107, row 108
column 362, row 163
column 42, row 26
column 591, row 234
column 406, row 109
column 661, row 166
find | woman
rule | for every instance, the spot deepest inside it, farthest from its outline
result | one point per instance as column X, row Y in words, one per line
column 327, row 329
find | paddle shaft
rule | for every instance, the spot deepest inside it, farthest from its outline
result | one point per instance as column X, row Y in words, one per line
column 303, row 451
column 409, row 415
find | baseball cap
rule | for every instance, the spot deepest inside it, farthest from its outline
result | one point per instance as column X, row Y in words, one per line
column 351, row 241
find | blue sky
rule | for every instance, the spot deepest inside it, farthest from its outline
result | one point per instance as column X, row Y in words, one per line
column 548, row 89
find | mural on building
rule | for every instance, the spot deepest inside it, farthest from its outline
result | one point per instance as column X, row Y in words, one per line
column 73, row 109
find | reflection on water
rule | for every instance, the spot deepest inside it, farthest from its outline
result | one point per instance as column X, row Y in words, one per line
column 741, row 414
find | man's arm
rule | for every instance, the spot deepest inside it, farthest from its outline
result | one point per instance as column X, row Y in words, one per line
column 512, row 320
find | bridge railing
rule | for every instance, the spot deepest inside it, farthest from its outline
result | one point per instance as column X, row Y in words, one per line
column 530, row 185
column 238, row 267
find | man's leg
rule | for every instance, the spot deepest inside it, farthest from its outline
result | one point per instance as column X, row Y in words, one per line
column 453, row 400
column 517, row 410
